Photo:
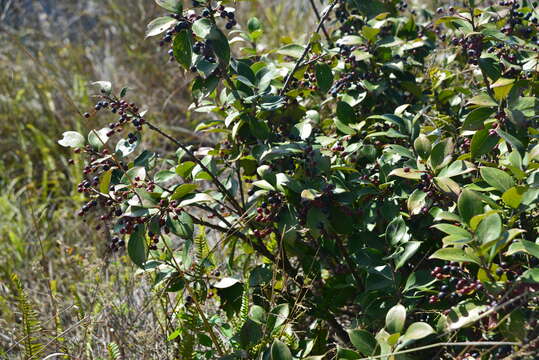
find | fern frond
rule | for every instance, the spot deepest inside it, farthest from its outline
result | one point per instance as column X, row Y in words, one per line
column 190, row 327
column 31, row 326
column 114, row 351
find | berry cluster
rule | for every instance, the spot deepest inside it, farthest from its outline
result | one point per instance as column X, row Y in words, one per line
column 116, row 244
column 472, row 47
column 267, row 212
column 226, row 14
column 456, row 282
column 204, row 49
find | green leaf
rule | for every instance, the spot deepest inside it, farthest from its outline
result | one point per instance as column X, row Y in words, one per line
column 164, row 176
column 292, row 50
column 183, row 226
column 363, row 341
column 260, row 275
column 174, row 6
column 280, row 351
column 159, row 25
column 253, row 25
column 257, row 314
column 345, row 113
column 416, row 331
column 423, row 146
column 489, row 229
column 530, row 247
column 125, row 148
column 350, row 40
column 410, row 248
column 530, row 275
column 278, row 316
column 441, row 153
column 72, row 139
column 464, row 314
column 136, row 172
column 182, row 47
column 182, row 190
column 105, row 87
column 104, row 181
column 502, row 87
column 407, row 174
column 202, row 27
column 370, row 33
column 219, row 43
column 196, row 198
column 482, row 143
column 483, row 100
column 346, row 354
column 395, row 318
column 469, row 205
column 416, row 202
column 397, row 231
column 250, row 334
column 226, row 283
column 454, row 254
column 98, row 138
column 324, row 77
column 513, row 196
column 305, row 129
column 448, row 186
column 475, row 119
column 497, row 178
column 491, row 67
column 458, row 167
column 137, row 248
column 453, row 230
column 184, row 169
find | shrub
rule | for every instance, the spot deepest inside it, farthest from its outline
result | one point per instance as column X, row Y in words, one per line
column 373, row 192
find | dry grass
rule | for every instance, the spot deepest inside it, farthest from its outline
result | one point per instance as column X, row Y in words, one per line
column 85, row 299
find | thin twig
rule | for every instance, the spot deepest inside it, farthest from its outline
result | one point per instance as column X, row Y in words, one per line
column 317, row 13
column 470, row 343
column 307, row 48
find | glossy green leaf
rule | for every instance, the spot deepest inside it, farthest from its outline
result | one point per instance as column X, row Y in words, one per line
column 395, row 318
column 137, row 248
column 280, row 351
column 219, row 43
column 417, row 331
column 416, row 202
column 72, row 139
column 497, row 178
column 483, row 143
column 202, row 27
column 363, row 341
column 530, row 247
column 182, row 190
column 278, row 316
column 174, row 6
column 182, row 226
column 345, row 113
column 423, row 146
column 324, row 77
column 397, row 232
column 182, row 48
column 453, row 254
column 469, row 205
column 159, row 25
column 489, row 229
column 502, row 87
column 513, row 196
column 475, row 119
